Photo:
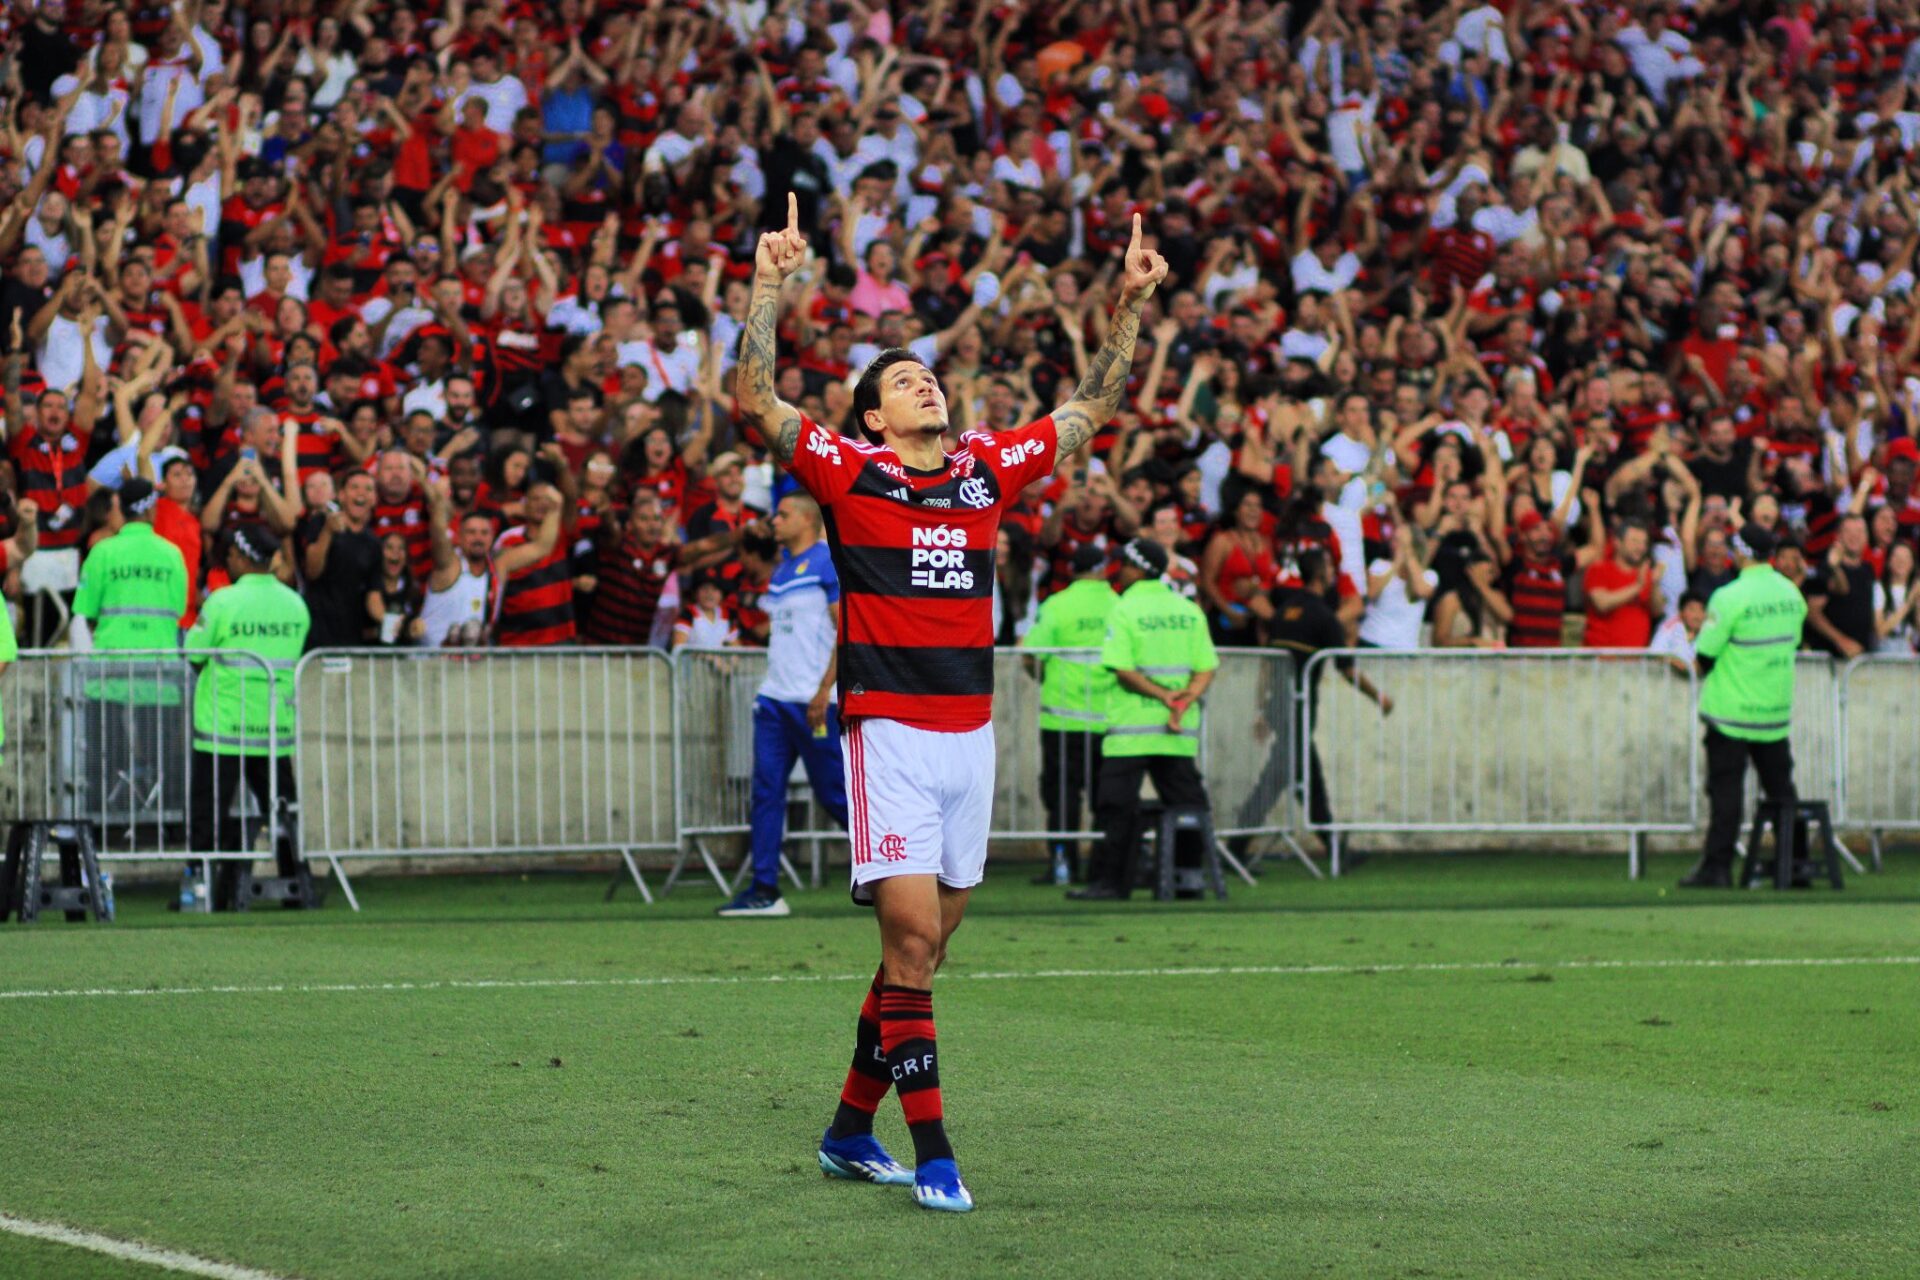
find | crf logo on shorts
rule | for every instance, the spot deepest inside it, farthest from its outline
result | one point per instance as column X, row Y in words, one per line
column 893, row 847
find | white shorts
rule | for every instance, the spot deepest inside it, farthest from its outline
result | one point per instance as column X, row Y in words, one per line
column 918, row 802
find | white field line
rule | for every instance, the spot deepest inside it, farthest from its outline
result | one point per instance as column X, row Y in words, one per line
column 131, row 1251
column 1021, row 975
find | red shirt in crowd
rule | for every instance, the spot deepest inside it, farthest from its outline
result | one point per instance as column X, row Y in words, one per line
column 1631, row 625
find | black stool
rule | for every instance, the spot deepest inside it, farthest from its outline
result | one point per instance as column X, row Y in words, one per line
column 1787, row 817
column 1173, row 820
column 24, row 890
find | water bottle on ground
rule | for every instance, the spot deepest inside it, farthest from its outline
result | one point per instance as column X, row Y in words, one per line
column 106, row 895
column 186, row 889
column 1060, row 872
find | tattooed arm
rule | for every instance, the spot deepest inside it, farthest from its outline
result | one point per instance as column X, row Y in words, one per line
column 778, row 256
column 1104, row 386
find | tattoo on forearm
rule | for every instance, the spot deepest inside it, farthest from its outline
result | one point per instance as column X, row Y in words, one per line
column 754, row 378
column 1100, row 392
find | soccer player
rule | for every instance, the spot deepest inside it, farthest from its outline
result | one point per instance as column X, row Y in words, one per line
column 912, row 529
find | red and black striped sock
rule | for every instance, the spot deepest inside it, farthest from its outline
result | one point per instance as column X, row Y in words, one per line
column 867, row 1079
column 906, row 1033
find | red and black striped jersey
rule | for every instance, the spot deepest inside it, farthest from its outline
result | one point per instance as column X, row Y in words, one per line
column 914, row 551
column 54, row 475
column 409, row 520
column 633, row 576
column 536, row 604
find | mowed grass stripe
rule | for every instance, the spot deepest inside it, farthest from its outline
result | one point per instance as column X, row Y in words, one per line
column 1035, row 975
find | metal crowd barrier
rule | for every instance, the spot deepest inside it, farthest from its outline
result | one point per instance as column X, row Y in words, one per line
column 408, row 753
column 101, row 743
column 449, row 752
column 1879, row 746
column 1505, row 741
column 713, row 697
column 1044, row 786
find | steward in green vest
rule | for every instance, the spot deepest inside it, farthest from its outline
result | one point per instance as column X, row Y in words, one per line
column 1162, row 659
column 1746, row 649
column 1074, row 689
column 133, row 593
column 133, row 588
column 248, row 638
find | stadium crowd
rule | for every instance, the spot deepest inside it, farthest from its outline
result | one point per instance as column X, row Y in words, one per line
column 1514, row 310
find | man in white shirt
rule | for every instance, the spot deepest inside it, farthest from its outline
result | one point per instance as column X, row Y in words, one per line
column 1674, row 638
column 794, row 716
column 1324, row 268
column 1660, row 56
column 669, row 363
column 1509, row 221
column 503, row 94
column 278, row 272
column 671, row 149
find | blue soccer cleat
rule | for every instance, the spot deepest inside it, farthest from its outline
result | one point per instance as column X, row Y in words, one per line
column 750, row 902
column 861, row 1158
column 937, row 1185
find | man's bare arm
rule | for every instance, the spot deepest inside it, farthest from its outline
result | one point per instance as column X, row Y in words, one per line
column 1100, row 392
column 778, row 256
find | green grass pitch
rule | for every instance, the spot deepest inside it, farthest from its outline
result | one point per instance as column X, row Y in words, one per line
column 1430, row 1068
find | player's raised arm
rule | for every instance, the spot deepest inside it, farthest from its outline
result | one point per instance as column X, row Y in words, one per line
column 778, row 256
column 1099, row 394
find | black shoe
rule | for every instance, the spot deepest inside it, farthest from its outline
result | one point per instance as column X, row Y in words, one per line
column 1096, row 893
column 1705, row 875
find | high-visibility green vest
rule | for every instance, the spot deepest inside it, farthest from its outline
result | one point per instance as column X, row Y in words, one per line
column 243, row 705
column 1752, row 632
column 9, row 652
column 1074, row 688
column 133, row 588
column 1162, row 635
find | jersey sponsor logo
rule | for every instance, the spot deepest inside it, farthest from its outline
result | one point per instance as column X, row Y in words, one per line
column 818, row 443
column 938, row 561
column 900, row 495
column 1021, row 452
column 975, row 493
column 893, row 847
column 940, row 535
column 936, row 502
column 897, row 472
column 963, row 465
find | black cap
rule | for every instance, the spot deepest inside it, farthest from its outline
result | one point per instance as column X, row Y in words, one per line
column 256, row 542
column 137, row 498
column 1088, row 559
column 1754, row 541
column 1148, row 557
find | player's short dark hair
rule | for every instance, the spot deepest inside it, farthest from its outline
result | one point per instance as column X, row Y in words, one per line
column 1691, row 597
column 866, row 392
column 1312, row 565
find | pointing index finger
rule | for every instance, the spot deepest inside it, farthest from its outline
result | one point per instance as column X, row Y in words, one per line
column 793, row 213
column 1135, row 246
